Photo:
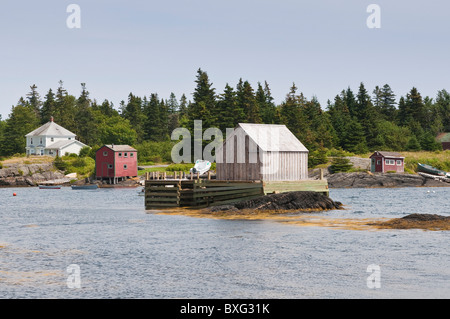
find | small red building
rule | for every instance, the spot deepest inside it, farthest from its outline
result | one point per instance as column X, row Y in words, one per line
column 444, row 138
column 115, row 162
column 383, row 162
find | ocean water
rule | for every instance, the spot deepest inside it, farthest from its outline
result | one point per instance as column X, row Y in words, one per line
column 124, row 251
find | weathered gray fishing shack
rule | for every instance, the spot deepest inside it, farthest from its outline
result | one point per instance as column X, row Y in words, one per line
column 269, row 153
column 266, row 152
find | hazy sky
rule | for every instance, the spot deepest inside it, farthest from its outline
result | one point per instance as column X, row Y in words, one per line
column 144, row 47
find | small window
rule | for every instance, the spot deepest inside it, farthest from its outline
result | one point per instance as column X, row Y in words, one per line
column 126, row 154
column 399, row 162
column 379, row 162
column 40, row 140
column 70, row 138
column 390, row 162
column 105, row 153
column 31, row 141
column 52, row 139
column 131, row 154
column 125, row 166
column 120, row 154
column 110, row 166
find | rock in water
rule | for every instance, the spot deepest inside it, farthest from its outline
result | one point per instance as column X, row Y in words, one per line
column 285, row 201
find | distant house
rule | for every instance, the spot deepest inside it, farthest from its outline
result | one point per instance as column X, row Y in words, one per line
column 444, row 138
column 115, row 162
column 265, row 152
column 52, row 139
column 383, row 162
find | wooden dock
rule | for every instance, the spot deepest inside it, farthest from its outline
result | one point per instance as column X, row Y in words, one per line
column 188, row 190
column 198, row 193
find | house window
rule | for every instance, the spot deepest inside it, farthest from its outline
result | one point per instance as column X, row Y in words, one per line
column 40, row 140
column 390, row 162
column 110, row 166
column 51, row 139
column 131, row 154
column 399, row 162
column 31, row 141
column 105, row 153
column 125, row 166
column 379, row 162
column 126, row 154
column 120, row 154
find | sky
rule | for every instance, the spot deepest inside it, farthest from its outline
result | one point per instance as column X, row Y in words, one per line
column 145, row 47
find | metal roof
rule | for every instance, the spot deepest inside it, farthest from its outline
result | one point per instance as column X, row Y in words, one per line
column 389, row 154
column 121, row 148
column 51, row 129
column 273, row 137
column 444, row 137
column 61, row 144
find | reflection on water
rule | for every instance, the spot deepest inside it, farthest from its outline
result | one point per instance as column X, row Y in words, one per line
column 125, row 252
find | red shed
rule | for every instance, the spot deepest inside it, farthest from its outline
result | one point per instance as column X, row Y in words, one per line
column 383, row 162
column 115, row 162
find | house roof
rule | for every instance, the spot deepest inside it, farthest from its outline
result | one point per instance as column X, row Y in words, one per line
column 273, row 137
column 388, row 154
column 121, row 148
column 63, row 144
column 444, row 137
column 51, row 129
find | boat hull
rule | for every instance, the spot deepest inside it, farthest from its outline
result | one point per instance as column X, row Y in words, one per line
column 83, row 187
column 49, row 187
column 430, row 170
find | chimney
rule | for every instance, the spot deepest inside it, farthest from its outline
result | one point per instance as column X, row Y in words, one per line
column 51, row 118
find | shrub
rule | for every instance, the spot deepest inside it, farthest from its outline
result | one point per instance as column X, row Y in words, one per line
column 340, row 164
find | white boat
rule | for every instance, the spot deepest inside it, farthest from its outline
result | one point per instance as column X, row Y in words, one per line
column 201, row 167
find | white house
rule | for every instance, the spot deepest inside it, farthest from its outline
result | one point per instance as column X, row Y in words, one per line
column 52, row 139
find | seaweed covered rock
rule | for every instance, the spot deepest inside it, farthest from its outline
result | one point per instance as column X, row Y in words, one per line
column 417, row 221
column 284, row 201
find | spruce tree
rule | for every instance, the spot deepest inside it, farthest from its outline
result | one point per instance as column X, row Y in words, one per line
column 21, row 121
column 86, row 128
column 48, row 107
column 387, row 102
column 227, row 109
column 204, row 103
column 247, row 101
column 34, row 100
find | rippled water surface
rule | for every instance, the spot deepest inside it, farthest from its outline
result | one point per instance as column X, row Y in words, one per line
column 125, row 252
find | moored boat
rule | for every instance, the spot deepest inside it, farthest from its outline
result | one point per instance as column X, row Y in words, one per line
column 91, row 186
column 49, row 187
column 430, row 170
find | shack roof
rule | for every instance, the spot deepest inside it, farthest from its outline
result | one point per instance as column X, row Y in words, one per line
column 272, row 137
column 444, row 137
column 121, row 148
column 388, row 154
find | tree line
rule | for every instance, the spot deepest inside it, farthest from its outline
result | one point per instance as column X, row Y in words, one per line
column 356, row 122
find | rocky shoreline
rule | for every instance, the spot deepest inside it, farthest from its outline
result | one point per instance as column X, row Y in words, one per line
column 370, row 180
column 23, row 175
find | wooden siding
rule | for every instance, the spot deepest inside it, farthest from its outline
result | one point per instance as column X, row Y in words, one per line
column 245, row 161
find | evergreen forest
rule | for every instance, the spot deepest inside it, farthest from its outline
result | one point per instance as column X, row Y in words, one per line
column 357, row 120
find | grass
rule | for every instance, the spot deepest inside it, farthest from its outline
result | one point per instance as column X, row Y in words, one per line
column 438, row 159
